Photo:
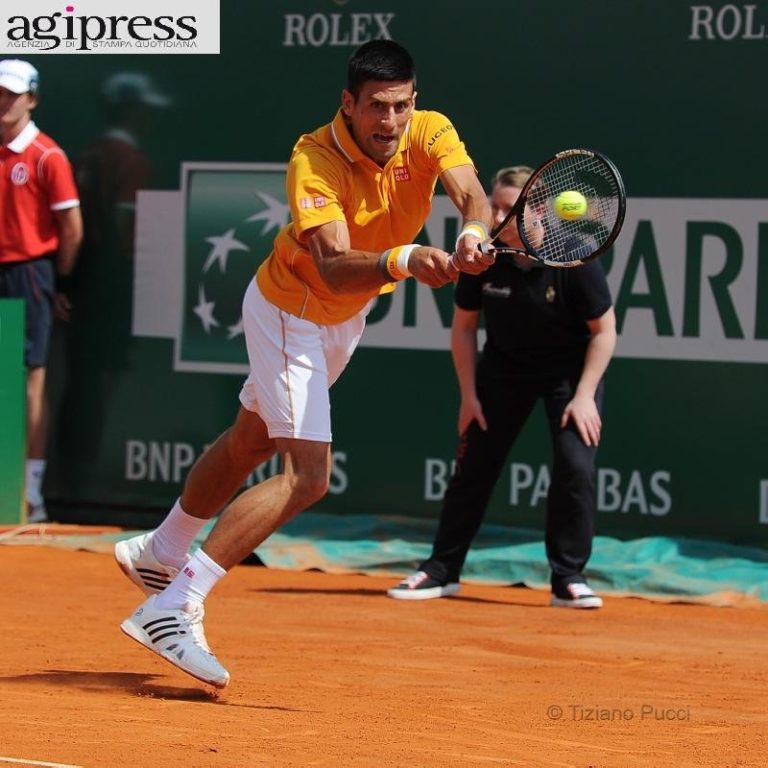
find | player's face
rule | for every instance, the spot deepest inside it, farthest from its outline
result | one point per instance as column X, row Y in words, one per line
column 379, row 115
column 14, row 108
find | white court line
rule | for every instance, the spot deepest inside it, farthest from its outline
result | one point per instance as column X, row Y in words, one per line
column 36, row 762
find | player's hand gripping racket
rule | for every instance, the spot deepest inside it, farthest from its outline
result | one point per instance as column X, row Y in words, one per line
column 569, row 212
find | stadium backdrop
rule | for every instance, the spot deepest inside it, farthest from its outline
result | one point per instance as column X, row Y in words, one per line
column 672, row 92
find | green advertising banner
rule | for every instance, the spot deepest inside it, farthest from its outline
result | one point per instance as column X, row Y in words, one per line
column 149, row 370
column 231, row 214
column 13, row 389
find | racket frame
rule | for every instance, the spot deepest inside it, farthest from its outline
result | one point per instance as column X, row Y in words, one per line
column 518, row 209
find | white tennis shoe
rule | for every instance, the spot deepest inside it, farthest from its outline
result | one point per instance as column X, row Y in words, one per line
column 177, row 635
column 138, row 562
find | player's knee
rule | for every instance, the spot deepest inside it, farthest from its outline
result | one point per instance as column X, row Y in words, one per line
column 312, row 487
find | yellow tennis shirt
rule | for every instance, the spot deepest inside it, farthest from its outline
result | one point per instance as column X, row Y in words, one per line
column 330, row 179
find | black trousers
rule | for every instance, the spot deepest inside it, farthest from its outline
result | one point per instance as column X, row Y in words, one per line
column 507, row 404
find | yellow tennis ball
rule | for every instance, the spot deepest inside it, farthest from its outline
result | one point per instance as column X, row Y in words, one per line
column 570, row 205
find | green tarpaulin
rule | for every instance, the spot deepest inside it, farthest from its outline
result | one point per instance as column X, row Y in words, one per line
column 656, row 568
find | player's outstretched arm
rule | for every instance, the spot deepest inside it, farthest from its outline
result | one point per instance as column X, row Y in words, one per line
column 345, row 270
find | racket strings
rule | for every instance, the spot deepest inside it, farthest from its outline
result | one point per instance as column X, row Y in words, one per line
column 558, row 240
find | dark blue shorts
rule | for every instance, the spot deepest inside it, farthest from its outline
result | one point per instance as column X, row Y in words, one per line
column 33, row 281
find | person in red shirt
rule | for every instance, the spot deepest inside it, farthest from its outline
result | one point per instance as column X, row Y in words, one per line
column 40, row 234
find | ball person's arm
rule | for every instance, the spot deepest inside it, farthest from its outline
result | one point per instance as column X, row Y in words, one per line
column 467, row 193
column 464, row 352
column 582, row 408
column 69, row 224
column 345, row 270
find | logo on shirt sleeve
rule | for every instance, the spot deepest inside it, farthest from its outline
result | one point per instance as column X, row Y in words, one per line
column 445, row 129
column 318, row 201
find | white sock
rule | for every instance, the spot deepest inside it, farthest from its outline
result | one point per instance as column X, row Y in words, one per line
column 174, row 536
column 35, row 474
column 195, row 580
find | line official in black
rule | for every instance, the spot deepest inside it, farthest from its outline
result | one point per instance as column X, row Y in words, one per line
column 550, row 336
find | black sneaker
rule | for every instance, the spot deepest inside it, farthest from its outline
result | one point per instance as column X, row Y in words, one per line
column 421, row 586
column 576, row 595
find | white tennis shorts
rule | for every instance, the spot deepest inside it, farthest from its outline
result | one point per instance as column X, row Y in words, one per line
column 293, row 363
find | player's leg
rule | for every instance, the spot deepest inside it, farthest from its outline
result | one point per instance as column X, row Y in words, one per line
column 479, row 461
column 171, row 623
column 570, row 503
column 152, row 560
column 259, row 511
column 225, row 464
column 292, row 363
column 286, row 408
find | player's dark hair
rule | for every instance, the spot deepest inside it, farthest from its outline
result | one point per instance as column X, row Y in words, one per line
column 383, row 60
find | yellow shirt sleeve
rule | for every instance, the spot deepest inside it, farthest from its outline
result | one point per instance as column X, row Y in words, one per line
column 314, row 185
column 436, row 137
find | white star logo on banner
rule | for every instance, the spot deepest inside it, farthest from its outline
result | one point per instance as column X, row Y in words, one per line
column 222, row 245
column 275, row 215
column 235, row 330
column 204, row 310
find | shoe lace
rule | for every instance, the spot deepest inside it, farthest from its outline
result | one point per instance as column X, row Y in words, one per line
column 194, row 614
column 580, row 590
column 415, row 579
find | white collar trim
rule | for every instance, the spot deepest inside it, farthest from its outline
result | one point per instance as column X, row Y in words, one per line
column 24, row 139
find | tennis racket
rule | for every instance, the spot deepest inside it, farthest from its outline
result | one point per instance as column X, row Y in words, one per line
column 557, row 227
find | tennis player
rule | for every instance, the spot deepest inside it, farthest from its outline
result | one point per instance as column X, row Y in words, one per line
column 359, row 190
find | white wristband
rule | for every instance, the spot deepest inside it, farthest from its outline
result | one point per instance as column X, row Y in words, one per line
column 403, row 257
column 475, row 228
column 394, row 262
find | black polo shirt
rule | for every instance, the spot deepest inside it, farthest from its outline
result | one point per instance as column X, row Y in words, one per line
column 535, row 319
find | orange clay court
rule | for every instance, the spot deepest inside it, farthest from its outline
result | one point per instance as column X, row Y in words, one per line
column 328, row 671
